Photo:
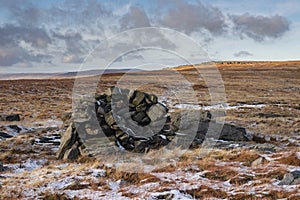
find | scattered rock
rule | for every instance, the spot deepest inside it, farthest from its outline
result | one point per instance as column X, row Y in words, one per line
column 2, row 168
column 49, row 140
column 15, row 128
column 292, row 178
column 296, row 174
column 228, row 132
column 4, row 135
column 167, row 196
column 271, row 115
column 258, row 161
column 267, row 147
column 259, row 138
column 12, row 117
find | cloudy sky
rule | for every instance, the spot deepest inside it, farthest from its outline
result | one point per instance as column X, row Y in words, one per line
column 56, row 36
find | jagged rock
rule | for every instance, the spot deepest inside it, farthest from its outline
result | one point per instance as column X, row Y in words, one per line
column 12, row 117
column 68, row 139
column 72, row 153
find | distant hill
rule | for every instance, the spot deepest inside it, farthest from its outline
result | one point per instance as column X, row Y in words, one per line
column 238, row 64
column 14, row 76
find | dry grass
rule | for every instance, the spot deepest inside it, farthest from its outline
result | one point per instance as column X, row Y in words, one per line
column 206, row 192
column 130, row 177
column 278, row 87
column 291, row 159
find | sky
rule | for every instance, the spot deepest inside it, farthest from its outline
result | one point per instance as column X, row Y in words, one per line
column 59, row 36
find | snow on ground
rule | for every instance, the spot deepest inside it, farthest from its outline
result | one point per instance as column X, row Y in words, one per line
column 217, row 106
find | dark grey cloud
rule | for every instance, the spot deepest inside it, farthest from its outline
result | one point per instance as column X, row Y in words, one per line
column 260, row 27
column 13, row 55
column 188, row 18
column 66, row 31
column 76, row 48
column 135, row 18
column 12, row 35
column 243, row 54
column 47, row 28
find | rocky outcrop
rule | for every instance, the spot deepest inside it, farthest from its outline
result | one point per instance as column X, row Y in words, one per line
column 135, row 121
column 12, row 117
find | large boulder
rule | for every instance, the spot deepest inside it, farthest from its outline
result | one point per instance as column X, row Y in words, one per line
column 135, row 121
column 132, row 120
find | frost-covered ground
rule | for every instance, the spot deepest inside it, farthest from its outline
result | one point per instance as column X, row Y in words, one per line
column 230, row 173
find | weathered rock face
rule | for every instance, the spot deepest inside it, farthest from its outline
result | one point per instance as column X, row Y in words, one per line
column 12, row 117
column 135, row 121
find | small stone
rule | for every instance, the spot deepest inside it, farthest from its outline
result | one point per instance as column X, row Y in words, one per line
column 287, row 179
column 145, row 121
column 156, row 112
column 258, row 161
column 141, row 107
column 138, row 117
column 109, row 118
column 296, row 174
column 100, row 111
column 165, row 196
column 138, row 98
column 151, row 99
column 296, row 182
column 119, row 133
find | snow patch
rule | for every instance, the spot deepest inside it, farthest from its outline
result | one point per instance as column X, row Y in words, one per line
column 217, row 106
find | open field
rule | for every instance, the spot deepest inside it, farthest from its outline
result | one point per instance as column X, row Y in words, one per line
column 263, row 97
